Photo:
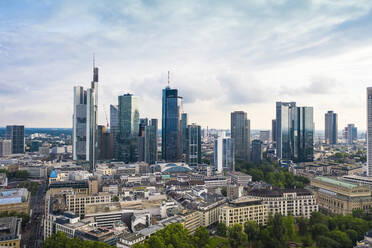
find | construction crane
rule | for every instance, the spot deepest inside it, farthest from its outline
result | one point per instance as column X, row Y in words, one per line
column 104, row 109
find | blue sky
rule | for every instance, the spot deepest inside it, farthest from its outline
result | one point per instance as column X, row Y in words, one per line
column 223, row 56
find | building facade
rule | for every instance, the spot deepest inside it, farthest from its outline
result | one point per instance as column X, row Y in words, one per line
column 193, row 145
column 151, row 142
column 5, row 147
column 171, row 147
column 224, row 156
column 257, row 151
column 241, row 134
column 331, row 128
column 17, row 136
column 184, row 125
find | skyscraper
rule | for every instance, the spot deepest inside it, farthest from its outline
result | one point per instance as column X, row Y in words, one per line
column 17, row 136
column 294, row 132
column 114, row 127
column 303, row 149
column 256, row 151
column 184, row 132
column 240, row 133
column 151, row 142
column 224, row 155
column 193, row 145
column 128, row 127
column 273, row 132
column 171, row 147
column 5, row 147
column 330, row 128
column 369, row 131
column 284, row 129
column 84, row 140
column 351, row 134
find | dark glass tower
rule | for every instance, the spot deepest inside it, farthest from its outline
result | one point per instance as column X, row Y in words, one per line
column 241, row 134
column 331, row 128
column 171, row 146
column 193, row 148
column 17, row 136
column 303, row 135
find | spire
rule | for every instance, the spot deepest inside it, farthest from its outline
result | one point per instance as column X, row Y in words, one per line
column 95, row 69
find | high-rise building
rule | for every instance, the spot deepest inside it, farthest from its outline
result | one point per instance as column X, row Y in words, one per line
column 265, row 136
column 5, row 147
column 128, row 128
column 257, row 151
column 369, row 131
column 17, row 135
column 193, row 151
column 144, row 122
column 303, row 149
column 240, row 133
column 151, row 142
column 84, row 140
column 284, row 129
column 184, row 125
column 273, row 131
column 114, row 127
column 224, row 155
column 330, row 128
column 104, row 143
column 351, row 132
column 171, row 147
column 294, row 132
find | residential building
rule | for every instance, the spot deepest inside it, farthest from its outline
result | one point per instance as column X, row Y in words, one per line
column 210, row 212
column 295, row 202
column 331, row 131
column 244, row 209
column 240, row 133
column 171, row 147
column 193, row 145
column 5, row 148
column 192, row 220
column 339, row 196
column 10, row 232
column 17, row 135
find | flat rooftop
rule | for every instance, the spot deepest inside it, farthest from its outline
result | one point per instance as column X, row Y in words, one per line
column 336, row 182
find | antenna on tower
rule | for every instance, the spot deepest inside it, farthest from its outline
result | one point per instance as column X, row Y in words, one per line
column 168, row 78
column 94, row 60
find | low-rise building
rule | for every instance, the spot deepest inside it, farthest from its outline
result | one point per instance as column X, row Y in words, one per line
column 210, row 212
column 240, row 178
column 295, row 202
column 10, row 232
column 339, row 196
column 5, row 148
column 244, row 209
column 192, row 220
column 17, row 200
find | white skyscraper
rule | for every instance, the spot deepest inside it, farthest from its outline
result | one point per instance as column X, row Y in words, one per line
column 84, row 141
column 369, row 131
column 224, row 156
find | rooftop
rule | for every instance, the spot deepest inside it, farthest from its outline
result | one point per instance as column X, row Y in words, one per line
column 336, row 182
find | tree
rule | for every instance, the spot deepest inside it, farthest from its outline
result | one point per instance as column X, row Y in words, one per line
column 302, row 226
column 289, row 226
column 59, row 240
column 201, row 237
column 353, row 235
column 319, row 229
column 237, row 238
column 325, row 242
column 341, row 238
column 252, row 230
column 224, row 191
column 115, row 198
column 221, row 229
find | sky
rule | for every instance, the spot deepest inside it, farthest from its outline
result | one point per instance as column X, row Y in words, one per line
column 223, row 56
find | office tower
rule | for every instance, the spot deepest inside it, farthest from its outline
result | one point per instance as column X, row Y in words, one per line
column 171, row 146
column 151, row 142
column 303, row 147
column 224, row 154
column 128, row 128
column 273, row 131
column 330, row 128
column 351, row 134
column 193, row 145
column 5, row 147
column 369, row 131
column 141, row 138
column 84, row 140
column 257, row 151
column 114, row 127
column 17, row 135
column 284, row 129
column 240, row 133
column 104, row 143
column 184, row 132
column 265, row 136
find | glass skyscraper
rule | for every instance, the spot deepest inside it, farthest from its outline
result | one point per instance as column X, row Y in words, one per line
column 16, row 134
column 193, row 145
column 151, row 142
column 241, row 134
column 171, row 146
column 184, row 132
column 284, row 129
column 331, row 131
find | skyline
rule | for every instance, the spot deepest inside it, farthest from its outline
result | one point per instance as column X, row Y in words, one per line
column 46, row 49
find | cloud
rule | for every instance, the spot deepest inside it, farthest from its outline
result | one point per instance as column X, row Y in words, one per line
column 317, row 86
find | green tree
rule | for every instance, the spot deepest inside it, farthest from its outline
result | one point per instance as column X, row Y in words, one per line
column 319, row 229
column 252, row 230
column 221, row 229
column 341, row 238
column 201, row 237
column 353, row 235
column 59, row 240
column 325, row 242
column 237, row 237
column 224, row 191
